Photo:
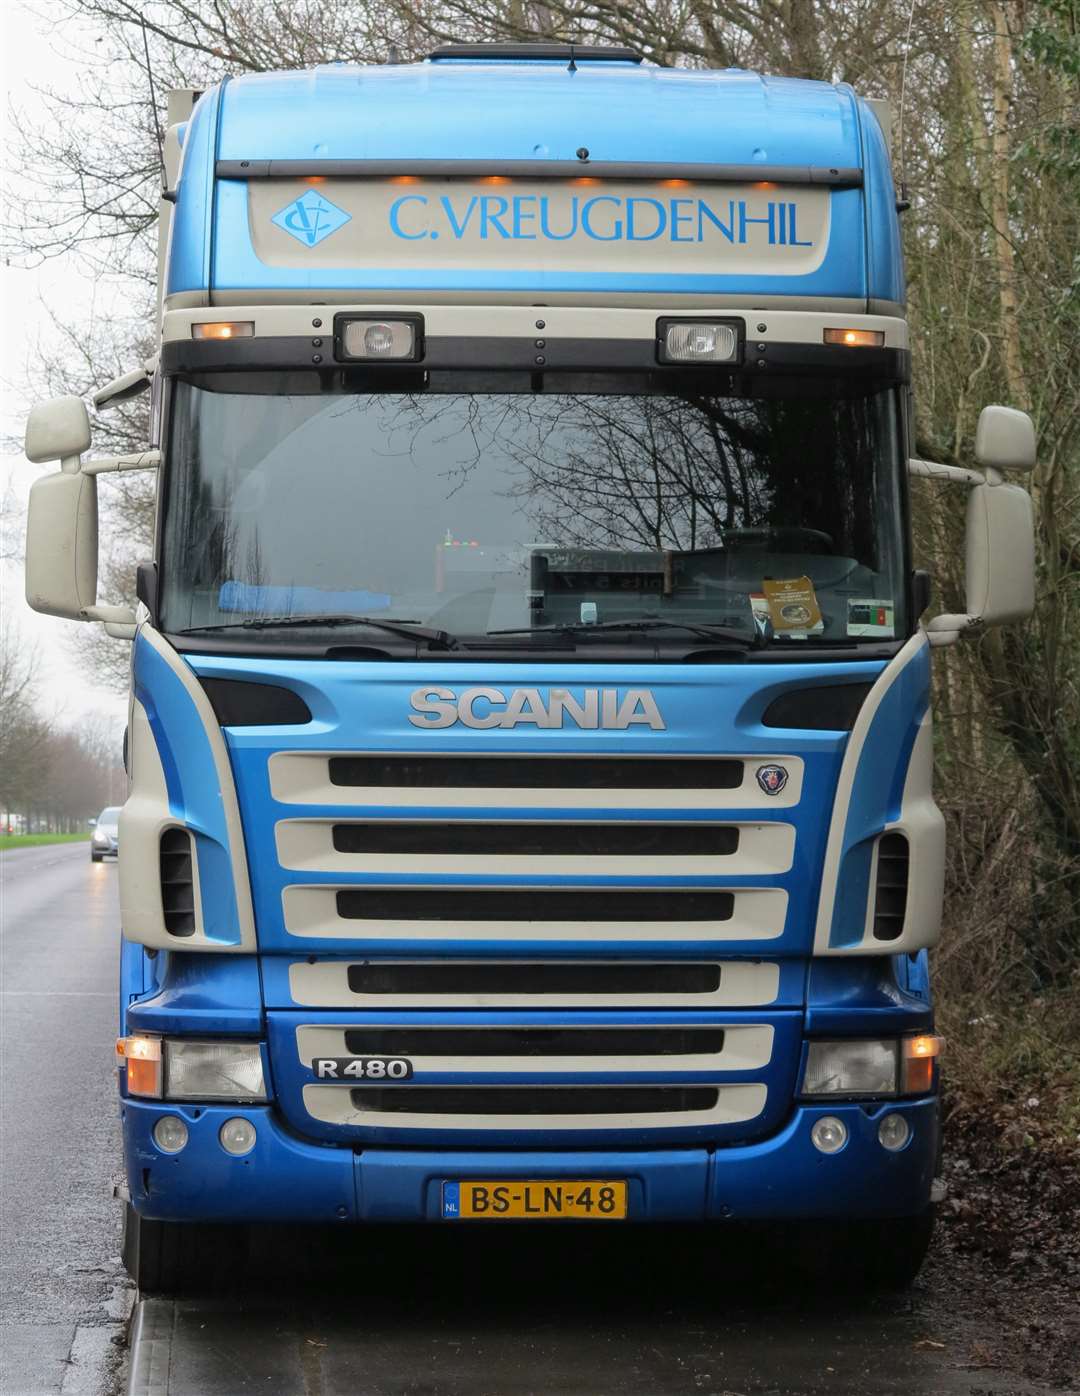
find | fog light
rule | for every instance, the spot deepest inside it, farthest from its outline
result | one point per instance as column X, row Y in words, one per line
column 237, row 1136
column 398, row 338
column 697, row 341
column 170, row 1134
column 829, row 1134
column 893, row 1132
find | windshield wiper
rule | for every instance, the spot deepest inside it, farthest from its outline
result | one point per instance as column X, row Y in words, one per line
column 411, row 630
column 703, row 629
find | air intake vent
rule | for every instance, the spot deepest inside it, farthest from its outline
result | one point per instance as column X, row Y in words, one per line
column 552, row 977
column 514, row 836
column 530, row 1041
column 534, row 904
column 177, row 882
column 534, row 1100
column 539, row 773
column 890, row 902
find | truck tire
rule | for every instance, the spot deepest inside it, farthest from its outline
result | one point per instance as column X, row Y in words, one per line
column 96, row 857
column 169, row 1257
column 886, row 1253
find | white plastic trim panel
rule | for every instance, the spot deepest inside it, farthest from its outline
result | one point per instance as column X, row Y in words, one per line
column 333, row 1104
column 747, row 1047
column 764, row 849
column 923, row 825
column 303, row 778
column 143, row 819
column 563, row 322
column 230, row 811
column 920, row 928
column 743, row 984
column 759, row 914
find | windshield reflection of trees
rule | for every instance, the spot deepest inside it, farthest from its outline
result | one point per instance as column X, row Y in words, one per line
column 677, row 472
column 590, row 471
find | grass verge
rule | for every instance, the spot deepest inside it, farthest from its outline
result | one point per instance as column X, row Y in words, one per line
column 35, row 840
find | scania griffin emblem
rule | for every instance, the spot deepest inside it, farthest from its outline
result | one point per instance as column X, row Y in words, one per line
column 772, row 779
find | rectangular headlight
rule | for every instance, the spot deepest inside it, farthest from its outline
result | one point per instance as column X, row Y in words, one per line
column 376, row 340
column 861, row 1067
column 221, row 1070
column 697, row 342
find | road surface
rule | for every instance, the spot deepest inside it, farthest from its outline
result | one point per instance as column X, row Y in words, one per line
column 63, row 1297
column 666, row 1312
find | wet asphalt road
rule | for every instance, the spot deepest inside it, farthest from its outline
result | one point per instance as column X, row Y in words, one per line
column 382, row 1312
column 63, row 1296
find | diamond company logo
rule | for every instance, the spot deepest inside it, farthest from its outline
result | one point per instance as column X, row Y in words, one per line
column 310, row 218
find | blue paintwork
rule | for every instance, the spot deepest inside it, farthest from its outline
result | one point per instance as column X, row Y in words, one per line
column 530, row 111
column 878, row 790
column 709, row 708
column 192, row 783
column 853, row 996
column 287, row 1179
column 203, row 994
column 358, row 706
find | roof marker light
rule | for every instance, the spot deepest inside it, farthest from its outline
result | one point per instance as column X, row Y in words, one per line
column 857, row 339
column 223, row 329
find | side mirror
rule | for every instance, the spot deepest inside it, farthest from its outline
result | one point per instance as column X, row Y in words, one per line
column 1000, row 554
column 1000, row 533
column 62, row 546
column 1005, row 439
column 62, row 518
column 58, row 430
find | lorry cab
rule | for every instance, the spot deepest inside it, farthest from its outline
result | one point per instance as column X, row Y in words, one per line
column 530, row 803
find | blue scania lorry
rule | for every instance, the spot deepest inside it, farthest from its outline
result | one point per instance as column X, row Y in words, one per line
column 530, row 812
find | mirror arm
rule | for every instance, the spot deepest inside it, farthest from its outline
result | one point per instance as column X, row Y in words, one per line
column 933, row 470
column 947, row 629
column 112, row 615
column 139, row 460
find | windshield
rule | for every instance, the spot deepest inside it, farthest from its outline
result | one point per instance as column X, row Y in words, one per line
column 775, row 519
column 110, row 815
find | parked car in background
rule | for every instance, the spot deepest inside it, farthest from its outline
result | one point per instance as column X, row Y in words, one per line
column 105, row 838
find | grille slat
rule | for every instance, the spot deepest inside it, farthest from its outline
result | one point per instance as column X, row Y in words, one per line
column 547, row 773
column 533, row 978
column 536, row 904
column 533, row 1100
column 597, row 839
column 532, row 1042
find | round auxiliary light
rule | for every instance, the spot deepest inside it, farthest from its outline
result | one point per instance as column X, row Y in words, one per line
column 237, row 1136
column 893, row 1132
column 378, row 339
column 829, row 1134
column 170, row 1134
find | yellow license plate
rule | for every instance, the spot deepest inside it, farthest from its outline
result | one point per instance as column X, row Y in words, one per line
column 534, row 1199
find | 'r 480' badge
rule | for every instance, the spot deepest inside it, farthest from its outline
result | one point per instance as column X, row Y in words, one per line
column 362, row 1068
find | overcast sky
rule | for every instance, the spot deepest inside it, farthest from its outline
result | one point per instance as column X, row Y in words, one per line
column 36, row 50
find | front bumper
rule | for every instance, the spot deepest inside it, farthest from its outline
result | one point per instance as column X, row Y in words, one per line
column 288, row 1179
